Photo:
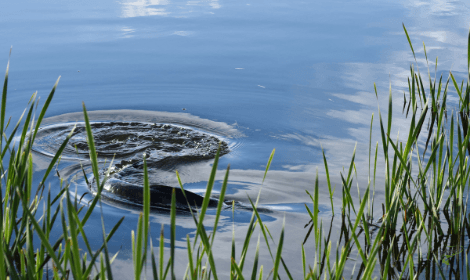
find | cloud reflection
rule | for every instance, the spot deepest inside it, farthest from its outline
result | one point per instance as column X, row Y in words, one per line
column 182, row 33
column 353, row 86
column 127, row 32
column 435, row 7
column 143, row 8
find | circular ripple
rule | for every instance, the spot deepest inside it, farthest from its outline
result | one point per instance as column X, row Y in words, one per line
column 164, row 145
column 130, row 140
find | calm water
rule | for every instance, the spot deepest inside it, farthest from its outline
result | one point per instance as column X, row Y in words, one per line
column 291, row 75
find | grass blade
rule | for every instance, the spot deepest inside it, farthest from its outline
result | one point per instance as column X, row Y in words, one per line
column 268, row 164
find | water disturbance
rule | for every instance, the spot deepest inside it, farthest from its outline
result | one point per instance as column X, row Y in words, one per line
column 298, row 76
column 165, row 147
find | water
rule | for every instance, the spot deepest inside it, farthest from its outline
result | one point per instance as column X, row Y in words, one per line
column 290, row 75
column 164, row 147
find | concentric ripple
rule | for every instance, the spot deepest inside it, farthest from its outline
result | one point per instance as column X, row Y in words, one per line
column 130, row 140
column 164, row 145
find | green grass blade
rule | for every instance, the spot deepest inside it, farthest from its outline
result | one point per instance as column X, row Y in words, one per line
column 358, row 244
column 192, row 271
column 316, row 209
column 55, row 158
column 44, row 239
column 409, row 41
column 44, row 109
column 9, row 263
column 108, row 237
column 173, row 233
column 237, row 269
column 4, row 102
column 91, row 147
column 456, row 86
column 94, row 162
column 221, row 202
column 161, row 256
column 468, row 55
column 154, row 263
column 263, row 230
column 146, row 209
column 268, row 164
column 390, row 111
column 76, row 266
column 210, row 185
column 255, row 261
column 328, row 181
column 205, row 240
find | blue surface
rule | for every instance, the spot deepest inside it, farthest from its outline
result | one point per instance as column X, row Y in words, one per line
column 290, row 74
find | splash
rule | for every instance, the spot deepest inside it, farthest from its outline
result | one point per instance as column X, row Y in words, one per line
column 164, row 145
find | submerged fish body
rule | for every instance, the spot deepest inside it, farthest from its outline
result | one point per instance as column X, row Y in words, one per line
column 160, row 195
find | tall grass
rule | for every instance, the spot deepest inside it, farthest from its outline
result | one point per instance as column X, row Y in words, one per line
column 420, row 232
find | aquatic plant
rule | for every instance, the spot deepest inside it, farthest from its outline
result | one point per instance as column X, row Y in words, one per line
column 422, row 230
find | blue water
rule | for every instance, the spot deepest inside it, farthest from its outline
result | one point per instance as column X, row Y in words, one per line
column 291, row 75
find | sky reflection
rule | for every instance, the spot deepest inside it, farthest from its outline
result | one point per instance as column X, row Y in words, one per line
column 297, row 76
column 144, row 8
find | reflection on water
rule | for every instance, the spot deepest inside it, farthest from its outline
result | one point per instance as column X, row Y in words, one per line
column 142, row 8
column 436, row 8
column 243, row 183
column 130, row 142
column 165, row 147
column 307, row 80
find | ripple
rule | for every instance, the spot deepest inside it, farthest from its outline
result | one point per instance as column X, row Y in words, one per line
column 134, row 131
column 166, row 140
column 130, row 140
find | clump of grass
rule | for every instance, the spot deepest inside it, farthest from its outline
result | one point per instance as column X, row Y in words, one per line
column 421, row 231
column 22, row 222
column 21, row 218
column 426, row 190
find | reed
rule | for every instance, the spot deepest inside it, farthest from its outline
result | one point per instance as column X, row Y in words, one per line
column 420, row 232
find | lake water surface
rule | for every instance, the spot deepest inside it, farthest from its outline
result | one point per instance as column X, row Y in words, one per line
column 291, row 75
